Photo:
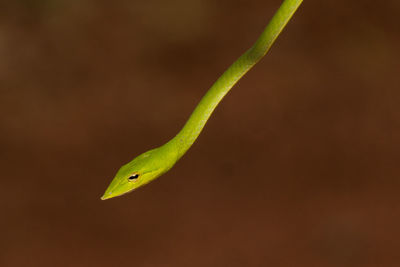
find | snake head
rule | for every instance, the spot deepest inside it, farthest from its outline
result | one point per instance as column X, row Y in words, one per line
column 140, row 171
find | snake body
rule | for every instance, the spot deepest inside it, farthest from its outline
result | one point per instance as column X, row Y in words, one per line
column 152, row 164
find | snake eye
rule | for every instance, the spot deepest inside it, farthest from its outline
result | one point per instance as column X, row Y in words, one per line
column 133, row 177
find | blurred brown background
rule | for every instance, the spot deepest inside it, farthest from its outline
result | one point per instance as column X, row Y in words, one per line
column 298, row 166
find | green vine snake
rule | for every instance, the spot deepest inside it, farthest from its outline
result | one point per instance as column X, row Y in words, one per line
column 153, row 163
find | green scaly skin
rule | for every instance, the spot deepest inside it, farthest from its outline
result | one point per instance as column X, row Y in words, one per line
column 151, row 164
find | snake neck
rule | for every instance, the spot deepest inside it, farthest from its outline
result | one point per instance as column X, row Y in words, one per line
column 196, row 122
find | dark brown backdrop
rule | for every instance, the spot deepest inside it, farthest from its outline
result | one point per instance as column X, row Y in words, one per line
column 298, row 166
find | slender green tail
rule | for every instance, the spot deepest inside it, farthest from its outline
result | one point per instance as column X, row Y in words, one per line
column 152, row 164
column 186, row 137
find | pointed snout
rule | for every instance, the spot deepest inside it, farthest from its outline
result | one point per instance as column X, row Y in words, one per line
column 116, row 189
column 110, row 192
column 105, row 196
